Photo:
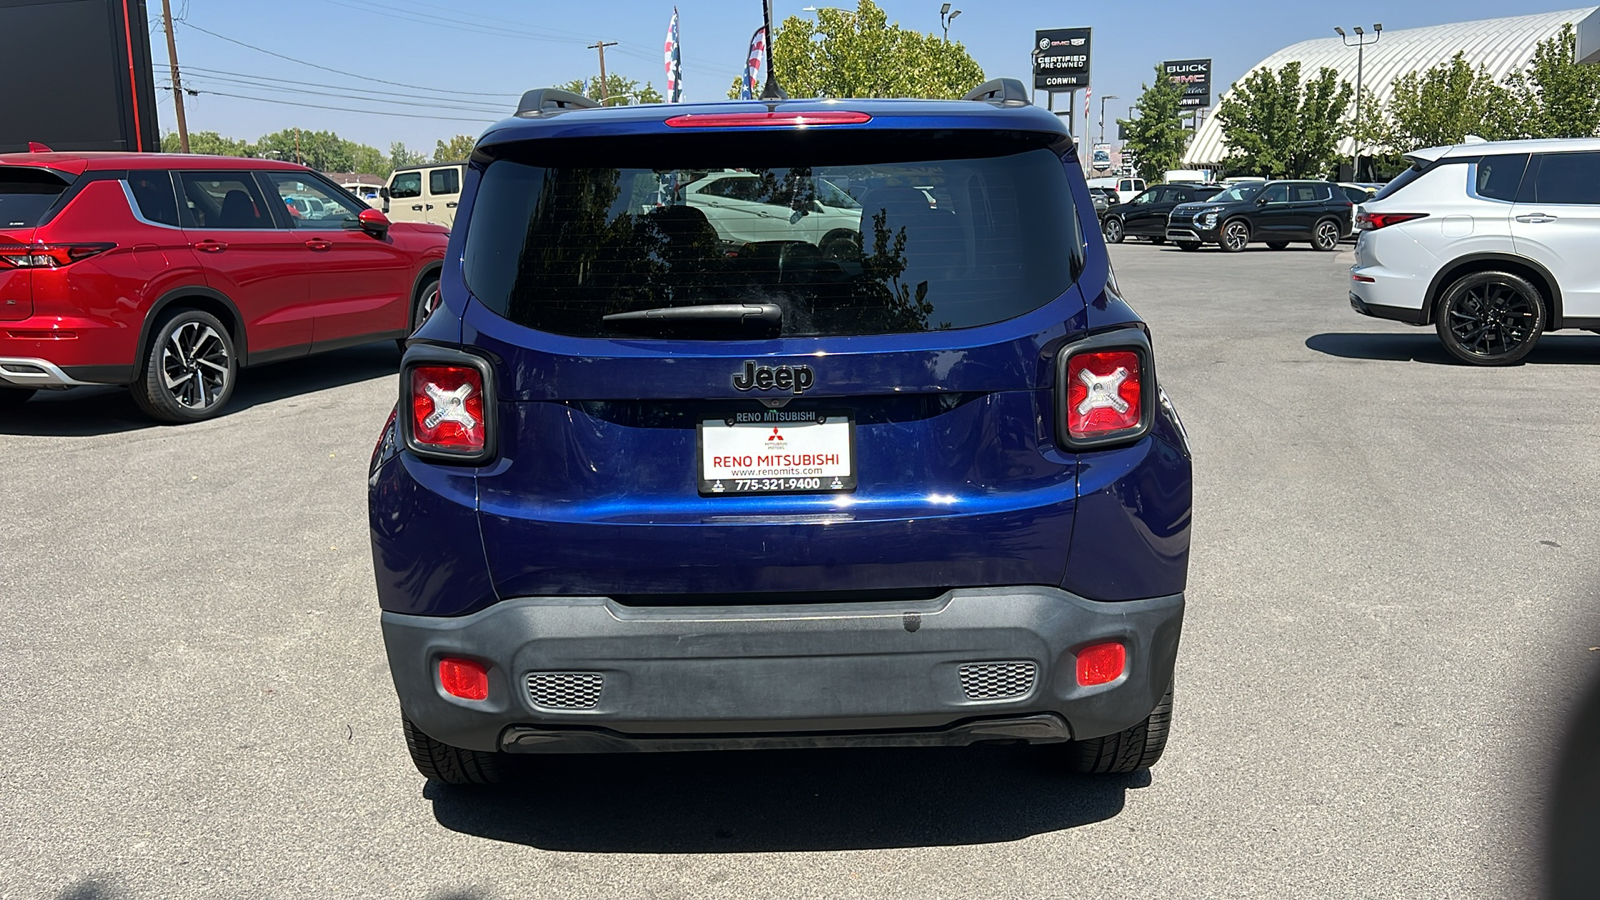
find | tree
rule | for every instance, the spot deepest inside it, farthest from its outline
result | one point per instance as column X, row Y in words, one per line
column 1443, row 105
column 456, row 149
column 1554, row 97
column 620, row 91
column 859, row 54
column 1156, row 136
column 1280, row 127
column 400, row 156
column 208, row 143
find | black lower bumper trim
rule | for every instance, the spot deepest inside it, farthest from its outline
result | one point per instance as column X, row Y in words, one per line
column 1392, row 313
column 1045, row 728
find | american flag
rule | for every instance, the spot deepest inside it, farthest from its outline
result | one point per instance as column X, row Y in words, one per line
column 1086, row 94
column 674, row 60
column 750, row 88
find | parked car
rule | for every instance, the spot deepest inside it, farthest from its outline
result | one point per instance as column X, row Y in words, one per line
column 370, row 194
column 1103, row 199
column 1277, row 213
column 170, row 273
column 427, row 193
column 1146, row 215
column 747, row 208
column 1358, row 194
column 643, row 494
column 1493, row 244
column 1121, row 185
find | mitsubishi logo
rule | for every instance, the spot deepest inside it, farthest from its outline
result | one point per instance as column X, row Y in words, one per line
column 1104, row 391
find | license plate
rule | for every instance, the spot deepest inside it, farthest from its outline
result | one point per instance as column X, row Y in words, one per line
column 776, row 451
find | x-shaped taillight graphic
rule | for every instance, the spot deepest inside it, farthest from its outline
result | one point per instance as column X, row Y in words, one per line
column 450, row 406
column 1104, row 391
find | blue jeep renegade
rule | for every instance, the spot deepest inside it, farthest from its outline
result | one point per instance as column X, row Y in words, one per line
column 803, row 423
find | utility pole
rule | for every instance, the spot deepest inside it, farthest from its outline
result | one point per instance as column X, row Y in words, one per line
column 1360, row 44
column 177, row 85
column 605, row 89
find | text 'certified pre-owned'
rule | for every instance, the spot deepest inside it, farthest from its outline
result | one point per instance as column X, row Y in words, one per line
column 766, row 378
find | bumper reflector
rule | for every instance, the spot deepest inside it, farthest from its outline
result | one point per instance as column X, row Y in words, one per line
column 1101, row 663
column 464, row 678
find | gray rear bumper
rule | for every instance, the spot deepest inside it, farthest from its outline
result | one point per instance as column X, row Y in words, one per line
column 826, row 674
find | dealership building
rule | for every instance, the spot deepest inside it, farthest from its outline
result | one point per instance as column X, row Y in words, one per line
column 1502, row 46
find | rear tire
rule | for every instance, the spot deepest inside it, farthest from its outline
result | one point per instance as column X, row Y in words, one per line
column 451, row 765
column 1490, row 318
column 11, row 398
column 1277, row 245
column 1190, row 246
column 189, row 369
column 1326, row 236
column 1129, row 750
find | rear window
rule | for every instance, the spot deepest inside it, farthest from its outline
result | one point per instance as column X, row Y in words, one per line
column 26, row 195
column 1498, row 177
column 843, row 235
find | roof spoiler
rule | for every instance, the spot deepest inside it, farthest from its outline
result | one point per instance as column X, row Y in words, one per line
column 538, row 102
column 1000, row 92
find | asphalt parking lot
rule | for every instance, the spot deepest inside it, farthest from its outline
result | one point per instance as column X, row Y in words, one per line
column 1392, row 605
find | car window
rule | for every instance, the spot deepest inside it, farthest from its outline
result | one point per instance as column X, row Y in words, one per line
column 153, row 195
column 1499, row 177
column 1355, row 194
column 444, row 181
column 222, row 200
column 312, row 204
column 1275, row 193
column 1146, row 197
column 406, row 185
column 1572, row 178
column 561, row 240
column 26, row 195
column 1241, row 194
column 1308, row 193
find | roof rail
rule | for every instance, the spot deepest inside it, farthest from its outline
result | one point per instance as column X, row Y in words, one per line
column 538, row 102
column 1001, row 92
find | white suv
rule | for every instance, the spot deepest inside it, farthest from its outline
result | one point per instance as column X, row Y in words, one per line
column 1491, row 243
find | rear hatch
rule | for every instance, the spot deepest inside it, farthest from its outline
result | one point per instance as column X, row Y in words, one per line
column 747, row 364
column 26, row 194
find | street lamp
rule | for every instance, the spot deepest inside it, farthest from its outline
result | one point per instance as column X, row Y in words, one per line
column 1360, row 44
column 946, row 16
column 1103, row 114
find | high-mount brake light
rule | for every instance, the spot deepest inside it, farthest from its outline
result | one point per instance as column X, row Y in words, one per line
column 773, row 119
column 1104, row 393
column 1371, row 221
column 447, row 410
column 47, row 256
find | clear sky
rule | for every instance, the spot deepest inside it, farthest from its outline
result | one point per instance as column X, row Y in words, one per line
column 477, row 56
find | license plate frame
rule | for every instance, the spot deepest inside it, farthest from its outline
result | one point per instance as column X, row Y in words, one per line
column 728, row 430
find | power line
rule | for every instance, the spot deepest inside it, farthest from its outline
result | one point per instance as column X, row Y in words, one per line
column 371, row 112
column 416, row 87
column 498, row 111
column 406, row 94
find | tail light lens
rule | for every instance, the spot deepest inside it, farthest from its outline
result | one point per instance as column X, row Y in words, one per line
column 1105, row 394
column 1371, row 221
column 47, row 256
column 447, row 409
column 464, row 678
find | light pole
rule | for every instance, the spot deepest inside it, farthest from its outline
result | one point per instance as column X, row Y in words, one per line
column 1103, row 114
column 1360, row 44
column 946, row 16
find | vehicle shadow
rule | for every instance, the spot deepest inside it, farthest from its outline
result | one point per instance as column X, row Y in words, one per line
column 782, row 800
column 1423, row 346
column 98, row 410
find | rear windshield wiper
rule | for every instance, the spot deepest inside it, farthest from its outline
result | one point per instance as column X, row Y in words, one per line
column 768, row 314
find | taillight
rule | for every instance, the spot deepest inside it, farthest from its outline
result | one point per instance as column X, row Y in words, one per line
column 1105, row 394
column 447, row 410
column 785, row 119
column 47, row 256
column 464, row 678
column 1371, row 221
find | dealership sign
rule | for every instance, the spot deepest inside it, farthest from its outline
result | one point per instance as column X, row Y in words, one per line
column 1061, row 59
column 1194, row 76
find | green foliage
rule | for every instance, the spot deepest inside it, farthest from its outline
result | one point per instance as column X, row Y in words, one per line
column 456, row 149
column 206, row 142
column 859, row 54
column 1278, row 126
column 1442, row 106
column 1554, row 97
column 620, row 91
column 400, row 155
column 1156, row 136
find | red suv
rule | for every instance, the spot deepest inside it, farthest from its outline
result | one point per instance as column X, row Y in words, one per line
column 168, row 273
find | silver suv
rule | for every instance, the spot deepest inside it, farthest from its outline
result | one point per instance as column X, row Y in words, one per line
column 1491, row 243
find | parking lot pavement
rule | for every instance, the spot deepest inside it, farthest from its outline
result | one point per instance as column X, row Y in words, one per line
column 1391, row 606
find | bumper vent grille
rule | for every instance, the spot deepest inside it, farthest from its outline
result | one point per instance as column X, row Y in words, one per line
column 565, row 690
column 997, row 680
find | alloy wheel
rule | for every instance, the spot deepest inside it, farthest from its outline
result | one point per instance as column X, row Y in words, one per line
column 427, row 304
column 195, row 365
column 1492, row 320
column 1327, row 236
column 1235, row 236
column 1113, row 230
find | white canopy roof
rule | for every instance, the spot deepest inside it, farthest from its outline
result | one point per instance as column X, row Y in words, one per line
column 1502, row 45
